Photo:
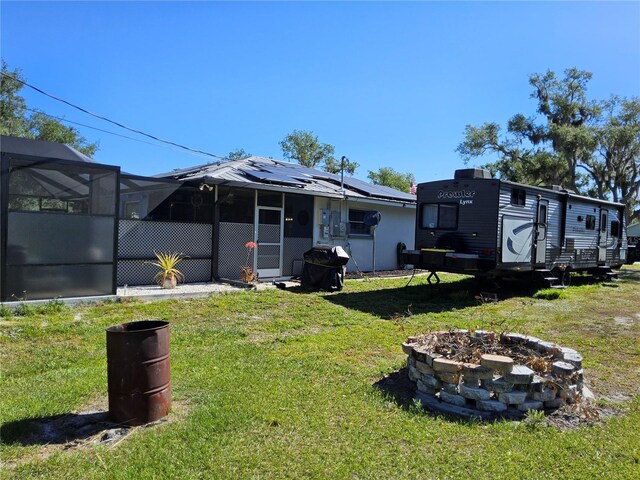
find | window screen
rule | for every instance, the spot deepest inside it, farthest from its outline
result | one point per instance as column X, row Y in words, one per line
column 590, row 222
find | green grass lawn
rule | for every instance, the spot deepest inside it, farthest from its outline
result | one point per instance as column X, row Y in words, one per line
column 284, row 384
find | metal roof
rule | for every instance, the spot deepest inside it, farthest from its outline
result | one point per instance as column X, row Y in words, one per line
column 39, row 148
column 270, row 174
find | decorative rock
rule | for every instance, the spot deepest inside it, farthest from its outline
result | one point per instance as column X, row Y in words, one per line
column 491, row 406
column 420, row 353
column 446, row 365
column 407, row 348
column 512, row 398
column 412, row 339
column 513, row 338
column 411, row 362
column 474, row 393
column 546, row 395
column 425, row 388
column 548, row 347
column 555, row 403
column 498, row 385
column 450, row 388
column 532, row 342
column 471, row 381
column 473, row 370
column 413, row 374
column 448, row 377
column 497, row 362
column 430, row 357
column 453, row 399
column 562, row 368
column 519, row 375
column 574, row 359
column 484, row 335
column 430, row 381
column 424, row 368
column 537, row 384
column 530, row 405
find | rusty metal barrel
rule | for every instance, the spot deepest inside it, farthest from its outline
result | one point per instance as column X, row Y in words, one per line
column 138, row 373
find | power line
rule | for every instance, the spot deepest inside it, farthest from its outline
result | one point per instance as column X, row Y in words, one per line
column 111, row 121
column 61, row 119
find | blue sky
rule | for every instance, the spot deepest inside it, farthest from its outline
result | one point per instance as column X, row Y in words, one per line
column 388, row 84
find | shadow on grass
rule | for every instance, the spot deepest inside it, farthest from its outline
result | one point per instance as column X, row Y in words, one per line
column 398, row 388
column 57, row 429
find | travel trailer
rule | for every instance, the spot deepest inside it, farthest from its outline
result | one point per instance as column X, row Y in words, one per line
column 478, row 225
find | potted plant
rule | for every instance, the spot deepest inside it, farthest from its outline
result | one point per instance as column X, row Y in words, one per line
column 247, row 274
column 169, row 275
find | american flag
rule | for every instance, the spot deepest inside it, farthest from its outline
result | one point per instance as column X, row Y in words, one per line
column 413, row 188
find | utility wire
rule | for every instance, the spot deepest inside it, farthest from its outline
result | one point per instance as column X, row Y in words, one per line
column 111, row 121
column 61, row 119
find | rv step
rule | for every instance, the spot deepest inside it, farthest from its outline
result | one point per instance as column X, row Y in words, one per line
column 558, row 287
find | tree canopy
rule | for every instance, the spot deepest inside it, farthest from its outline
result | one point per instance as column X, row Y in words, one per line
column 238, row 154
column 304, row 147
column 388, row 177
column 15, row 119
column 589, row 146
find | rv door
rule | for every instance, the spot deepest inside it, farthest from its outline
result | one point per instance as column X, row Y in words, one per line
column 517, row 239
column 602, row 236
column 541, row 231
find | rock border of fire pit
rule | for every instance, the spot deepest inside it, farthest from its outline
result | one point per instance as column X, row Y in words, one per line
column 496, row 386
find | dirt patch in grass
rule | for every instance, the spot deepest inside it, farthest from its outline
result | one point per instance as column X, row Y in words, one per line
column 82, row 429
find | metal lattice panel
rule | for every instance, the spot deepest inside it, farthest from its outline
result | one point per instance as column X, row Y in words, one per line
column 268, row 233
column 293, row 249
column 232, row 254
column 139, row 239
column 138, row 272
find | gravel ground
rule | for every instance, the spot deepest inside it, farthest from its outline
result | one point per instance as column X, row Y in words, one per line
column 182, row 290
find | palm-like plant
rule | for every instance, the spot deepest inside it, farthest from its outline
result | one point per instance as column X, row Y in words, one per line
column 169, row 275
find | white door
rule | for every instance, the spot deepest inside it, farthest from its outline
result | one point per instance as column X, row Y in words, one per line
column 602, row 237
column 269, row 228
column 541, row 228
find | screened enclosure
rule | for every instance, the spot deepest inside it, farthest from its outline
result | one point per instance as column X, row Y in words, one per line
column 58, row 218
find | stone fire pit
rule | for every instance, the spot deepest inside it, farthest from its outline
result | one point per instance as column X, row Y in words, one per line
column 483, row 374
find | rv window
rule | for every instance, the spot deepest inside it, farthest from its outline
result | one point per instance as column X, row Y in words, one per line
column 430, row 216
column 439, row 215
column 603, row 221
column 615, row 228
column 448, row 216
column 590, row 222
column 518, row 196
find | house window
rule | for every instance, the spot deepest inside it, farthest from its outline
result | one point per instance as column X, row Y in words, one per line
column 615, row 228
column 590, row 222
column 439, row 215
column 132, row 210
column 518, row 197
column 356, row 222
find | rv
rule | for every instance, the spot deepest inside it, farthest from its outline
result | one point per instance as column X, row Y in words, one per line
column 478, row 225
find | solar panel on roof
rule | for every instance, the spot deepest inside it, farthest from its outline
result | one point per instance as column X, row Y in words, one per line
column 376, row 190
column 272, row 177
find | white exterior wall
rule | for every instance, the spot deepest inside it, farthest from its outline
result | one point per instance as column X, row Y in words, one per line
column 397, row 224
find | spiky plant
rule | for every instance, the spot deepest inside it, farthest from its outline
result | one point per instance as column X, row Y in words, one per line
column 167, row 263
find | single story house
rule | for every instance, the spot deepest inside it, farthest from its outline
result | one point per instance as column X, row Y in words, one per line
column 72, row 227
